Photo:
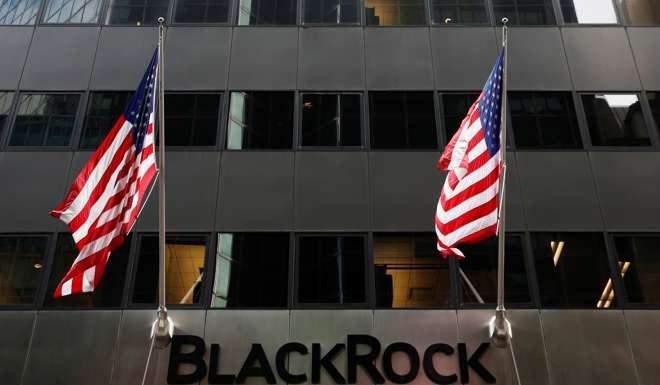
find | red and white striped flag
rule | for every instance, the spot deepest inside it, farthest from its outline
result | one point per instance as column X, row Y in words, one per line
column 104, row 200
column 468, row 204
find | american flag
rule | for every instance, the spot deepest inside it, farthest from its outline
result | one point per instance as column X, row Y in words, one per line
column 104, row 200
column 468, row 204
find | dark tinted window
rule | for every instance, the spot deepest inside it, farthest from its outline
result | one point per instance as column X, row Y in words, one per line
column 136, row 12
column 332, row 11
column 265, row 12
column 394, row 12
column 642, row 12
column 19, row 12
column 331, row 269
column 103, row 111
column 524, row 12
column 251, row 270
column 21, row 265
column 455, row 108
column 654, row 103
column 402, row 120
column 202, row 11
column 69, row 11
column 459, row 12
column 331, row 120
column 639, row 265
column 111, row 288
column 572, row 270
column 588, row 12
column 191, row 119
column 44, row 120
column 6, row 100
column 615, row 120
column 544, row 120
column 409, row 272
column 260, row 120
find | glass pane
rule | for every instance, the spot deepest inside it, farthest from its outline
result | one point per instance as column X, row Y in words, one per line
column 402, row 120
column 615, row 120
column 588, row 11
column 331, row 120
column 44, row 120
column 639, row 266
column 19, row 12
column 572, row 270
column 409, row 272
column 251, row 270
column 202, row 11
column 395, row 12
column 642, row 12
column 103, row 111
column 455, row 107
column 111, row 288
column 331, row 269
column 331, row 11
column 72, row 11
column 22, row 261
column 654, row 103
column 260, row 120
column 267, row 12
column 191, row 119
column 524, row 12
column 6, row 100
column 459, row 12
column 185, row 261
column 134, row 12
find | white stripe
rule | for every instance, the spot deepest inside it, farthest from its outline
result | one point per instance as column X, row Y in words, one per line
column 472, row 178
column 466, row 205
column 97, row 245
column 467, row 229
column 88, row 279
column 66, row 287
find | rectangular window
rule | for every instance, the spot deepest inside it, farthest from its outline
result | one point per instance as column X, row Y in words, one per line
column 459, row 12
column 402, row 120
column 108, row 293
column 394, row 12
column 331, row 120
column 44, row 120
column 103, row 111
column 6, row 101
column 332, row 12
column 19, row 12
column 22, row 261
column 72, row 12
column 186, row 259
column 409, row 272
column 267, row 12
column 588, row 11
column 136, row 12
column 455, row 107
column 544, row 120
column 642, row 12
column 191, row 119
column 639, row 265
column 202, row 11
column 573, row 270
column 615, row 120
column 251, row 270
column 524, row 12
column 331, row 269
column 260, row 120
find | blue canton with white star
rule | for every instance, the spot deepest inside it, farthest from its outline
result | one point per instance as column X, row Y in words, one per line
column 490, row 106
column 141, row 104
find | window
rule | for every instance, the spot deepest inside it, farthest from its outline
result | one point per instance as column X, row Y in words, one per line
column 44, row 120
column 136, row 12
column 186, row 256
column 615, row 120
column 70, row 11
column 6, row 100
column 588, row 11
column 22, row 261
column 19, row 12
column 642, row 12
column 544, row 120
column 332, row 12
column 103, row 111
column 572, row 270
column 202, row 11
column 455, row 108
column 267, row 12
column 638, row 259
column 251, row 270
column 331, row 269
column 331, row 120
column 654, row 103
column 260, row 120
column 459, row 12
column 409, row 272
column 191, row 119
column 524, row 12
column 402, row 120
column 394, row 12
column 111, row 288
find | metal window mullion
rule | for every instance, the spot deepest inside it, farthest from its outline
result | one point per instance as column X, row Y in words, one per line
column 49, row 261
column 620, row 294
column 208, row 280
column 583, row 125
column 130, row 271
column 530, row 269
column 651, row 125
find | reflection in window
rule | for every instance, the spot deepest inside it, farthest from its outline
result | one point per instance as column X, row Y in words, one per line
column 185, row 260
column 544, row 120
column 394, row 12
column 331, row 12
column 191, row 119
column 459, row 12
column 137, row 12
column 639, row 265
column 19, row 12
column 331, row 120
column 615, row 120
column 409, row 272
column 331, row 269
column 588, row 11
column 251, row 270
column 72, row 11
column 21, row 265
column 110, row 290
column 573, row 270
column 44, row 120
column 267, row 12
column 260, row 120
column 402, row 120
column 642, row 12
column 454, row 109
column 524, row 12
column 202, row 11
column 103, row 111
column 6, row 100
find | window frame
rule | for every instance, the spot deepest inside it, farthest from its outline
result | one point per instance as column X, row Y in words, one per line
column 9, row 121
column 236, row 14
column 559, row 14
column 231, row 16
column 490, row 17
column 427, row 17
column 219, row 124
column 360, row 16
column 104, row 18
column 41, row 16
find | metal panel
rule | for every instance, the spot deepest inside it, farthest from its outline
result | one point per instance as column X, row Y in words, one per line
column 15, row 40
column 331, row 59
column 398, row 58
column 122, row 57
column 60, row 58
column 600, row 59
column 561, row 195
column 644, row 333
column 15, row 342
column 256, row 191
column 331, row 191
column 72, row 347
column 462, row 57
column 264, row 58
column 587, row 347
column 628, row 188
column 644, row 42
column 515, row 213
column 197, row 58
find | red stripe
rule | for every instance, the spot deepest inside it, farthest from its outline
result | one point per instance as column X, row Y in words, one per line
column 474, row 189
column 469, row 216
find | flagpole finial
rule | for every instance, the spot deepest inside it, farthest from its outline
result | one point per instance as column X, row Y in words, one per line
column 505, row 20
column 161, row 20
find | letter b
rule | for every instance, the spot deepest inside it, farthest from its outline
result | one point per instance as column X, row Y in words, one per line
column 195, row 358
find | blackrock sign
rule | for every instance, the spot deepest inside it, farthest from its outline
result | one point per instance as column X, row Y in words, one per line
column 189, row 349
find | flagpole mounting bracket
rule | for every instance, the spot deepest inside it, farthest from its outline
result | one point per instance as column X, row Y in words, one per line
column 162, row 329
column 500, row 329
